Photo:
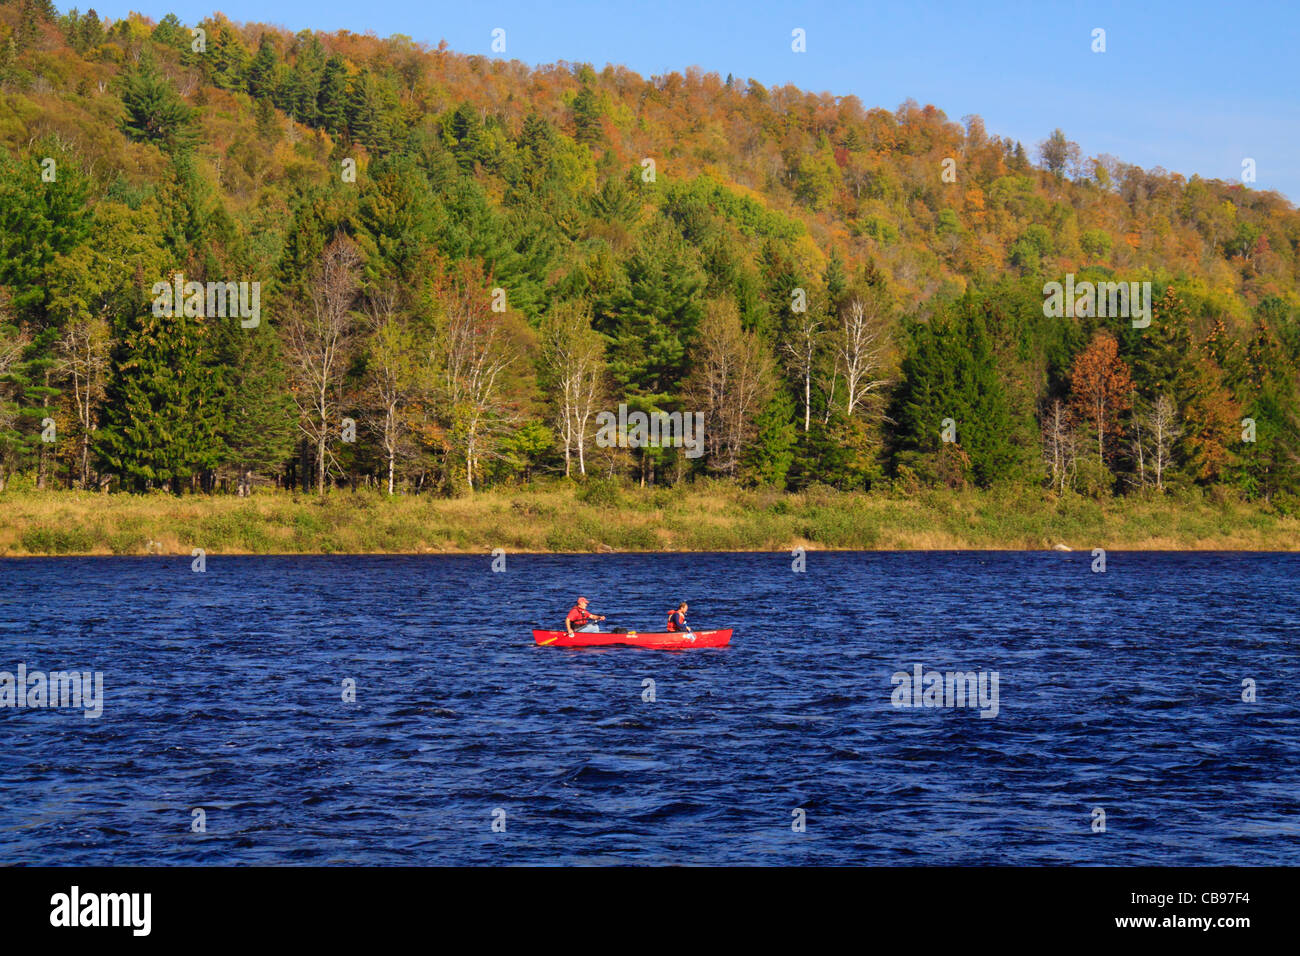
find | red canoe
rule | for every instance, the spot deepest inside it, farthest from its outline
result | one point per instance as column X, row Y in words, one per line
column 663, row 641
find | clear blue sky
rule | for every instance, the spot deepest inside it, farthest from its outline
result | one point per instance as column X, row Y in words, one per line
column 1194, row 87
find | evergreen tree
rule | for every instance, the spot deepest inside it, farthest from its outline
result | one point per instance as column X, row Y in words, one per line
column 834, row 279
column 950, row 371
column 38, row 221
column 587, row 117
column 264, row 71
column 332, row 100
column 31, row 381
column 651, row 318
column 90, row 32
column 226, row 60
column 170, row 32
column 303, row 85
column 768, row 459
column 155, row 113
column 165, row 395
column 394, row 213
column 256, row 421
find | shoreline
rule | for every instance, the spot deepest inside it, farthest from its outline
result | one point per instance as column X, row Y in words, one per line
column 559, row 517
column 488, row 554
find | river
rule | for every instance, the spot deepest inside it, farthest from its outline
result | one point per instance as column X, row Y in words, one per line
column 225, row 736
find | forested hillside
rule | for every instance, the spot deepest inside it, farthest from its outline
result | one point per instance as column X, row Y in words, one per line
column 461, row 261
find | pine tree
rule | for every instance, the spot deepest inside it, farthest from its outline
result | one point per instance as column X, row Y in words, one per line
column 264, row 71
column 950, row 371
column 332, row 101
column 393, row 210
column 164, row 402
column 256, row 423
column 90, row 32
column 226, row 61
column 155, row 113
column 30, row 380
column 768, row 458
column 38, row 221
column 304, row 82
column 170, row 32
column 651, row 318
column 587, row 117
column 834, row 279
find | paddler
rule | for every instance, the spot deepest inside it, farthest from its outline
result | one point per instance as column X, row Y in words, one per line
column 677, row 618
column 580, row 619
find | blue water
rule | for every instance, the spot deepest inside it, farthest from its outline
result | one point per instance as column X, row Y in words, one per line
column 223, row 691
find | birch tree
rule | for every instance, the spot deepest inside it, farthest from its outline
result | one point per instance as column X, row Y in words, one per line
column 319, row 344
column 801, row 348
column 392, row 374
column 1160, row 423
column 13, row 343
column 734, row 379
column 573, row 357
column 860, row 343
column 473, row 353
column 1059, row 446
column 83, row 354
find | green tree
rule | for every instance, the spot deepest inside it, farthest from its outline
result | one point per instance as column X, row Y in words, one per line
column 650, row 318
column 951, row 372
column 162, row 415
column 588, row 117
column 255, row 425
column 302, row 88
column 39, row 219
column 768, row 458
column 332, row 100
column 264, row 71
column 155, row 113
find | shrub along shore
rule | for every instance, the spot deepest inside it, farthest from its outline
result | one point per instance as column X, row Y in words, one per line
column 602, row 516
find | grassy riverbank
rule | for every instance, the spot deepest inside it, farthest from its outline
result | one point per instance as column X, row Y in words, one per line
column 602, row 517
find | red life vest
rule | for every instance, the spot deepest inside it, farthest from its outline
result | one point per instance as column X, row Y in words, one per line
column 579, row 617
column 673, row 618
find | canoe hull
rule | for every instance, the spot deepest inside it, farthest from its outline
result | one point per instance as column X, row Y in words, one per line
column 672, row 641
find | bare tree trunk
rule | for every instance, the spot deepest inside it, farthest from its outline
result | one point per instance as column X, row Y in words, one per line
column 1142, row 471
column 320, row 453
column 807, row 400
column 1101, row 432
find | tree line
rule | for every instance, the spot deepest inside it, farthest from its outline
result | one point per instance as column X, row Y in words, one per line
column 463, row 262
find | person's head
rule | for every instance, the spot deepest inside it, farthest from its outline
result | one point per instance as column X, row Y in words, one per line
column 682, row 607
column 582, row 603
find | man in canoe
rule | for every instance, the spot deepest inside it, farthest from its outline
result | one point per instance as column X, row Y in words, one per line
column 677, row 618
column 580, row 619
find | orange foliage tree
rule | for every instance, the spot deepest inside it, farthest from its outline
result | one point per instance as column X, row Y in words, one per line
column 1102, row 388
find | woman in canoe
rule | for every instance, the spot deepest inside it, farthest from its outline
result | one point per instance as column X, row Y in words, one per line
column 580, row 619
column 677, row 618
